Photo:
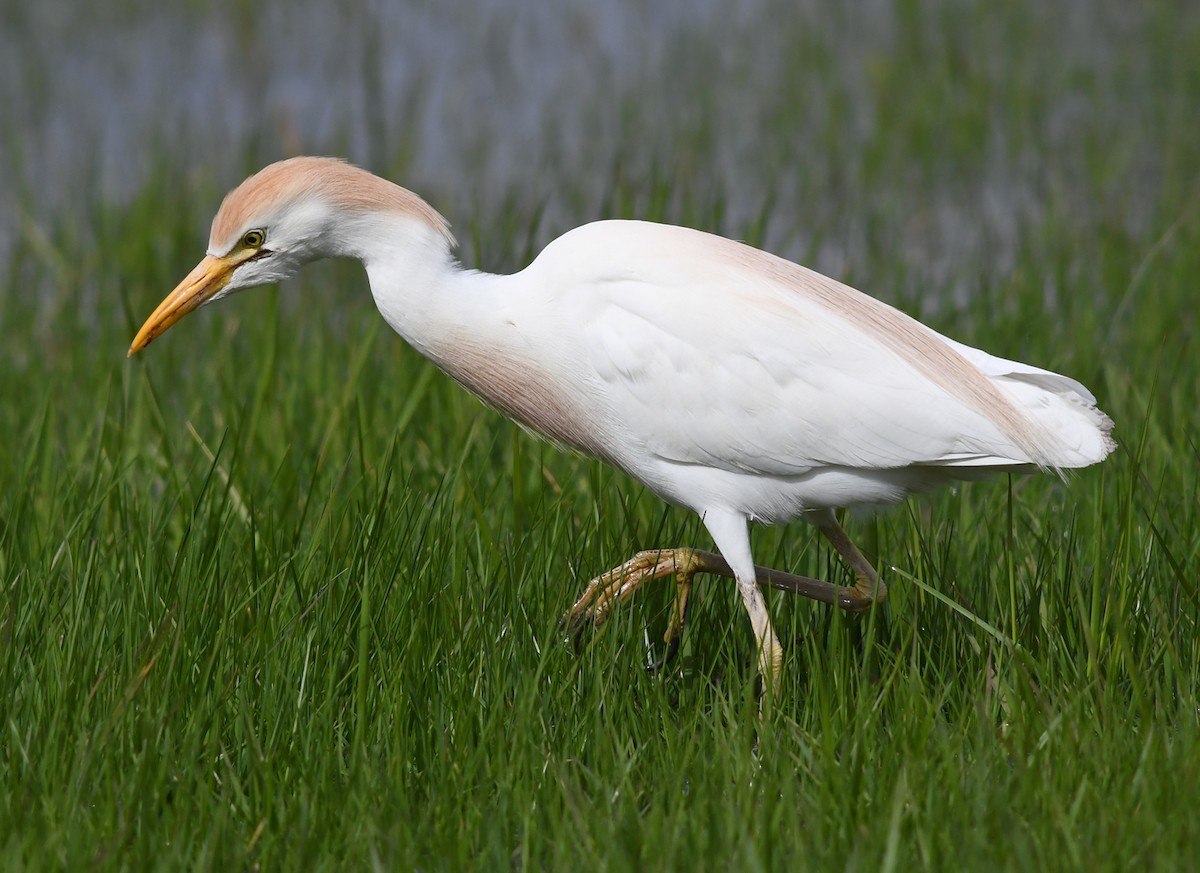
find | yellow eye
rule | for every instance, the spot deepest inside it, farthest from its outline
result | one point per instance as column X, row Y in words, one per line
column 253, row 239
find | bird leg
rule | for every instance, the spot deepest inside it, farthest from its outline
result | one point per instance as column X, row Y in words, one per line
column 605, row 591
column 620, row 583
column 869, row 588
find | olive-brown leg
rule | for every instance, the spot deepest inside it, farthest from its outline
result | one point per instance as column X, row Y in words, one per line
column 621, row 583
column 869, row 588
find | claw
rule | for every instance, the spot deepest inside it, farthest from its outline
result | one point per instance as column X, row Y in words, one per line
column 621, row 583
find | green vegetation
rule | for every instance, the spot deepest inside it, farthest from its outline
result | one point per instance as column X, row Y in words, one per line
column 279, row 594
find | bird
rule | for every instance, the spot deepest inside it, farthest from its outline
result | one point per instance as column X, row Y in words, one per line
column 727, row 380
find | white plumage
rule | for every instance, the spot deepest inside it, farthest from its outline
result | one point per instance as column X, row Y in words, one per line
column 729, row 381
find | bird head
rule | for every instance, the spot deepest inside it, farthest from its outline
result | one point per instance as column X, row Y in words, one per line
column 284, row 216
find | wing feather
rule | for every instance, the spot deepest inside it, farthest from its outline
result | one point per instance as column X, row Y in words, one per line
column 706, row 352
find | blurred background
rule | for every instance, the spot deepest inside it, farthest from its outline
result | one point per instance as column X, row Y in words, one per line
column 945, row 133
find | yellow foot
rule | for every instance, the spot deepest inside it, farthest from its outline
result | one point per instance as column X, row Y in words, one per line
column 621, row 583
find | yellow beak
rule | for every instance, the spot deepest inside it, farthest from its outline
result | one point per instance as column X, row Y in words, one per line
column 209, row 277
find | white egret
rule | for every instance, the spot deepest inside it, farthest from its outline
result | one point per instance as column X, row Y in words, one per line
column 729, row 381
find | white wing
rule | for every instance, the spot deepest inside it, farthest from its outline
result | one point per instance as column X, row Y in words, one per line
column 701, row 378
column 706, row 354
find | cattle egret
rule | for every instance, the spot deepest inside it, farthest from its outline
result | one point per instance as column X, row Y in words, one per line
column 727, row 380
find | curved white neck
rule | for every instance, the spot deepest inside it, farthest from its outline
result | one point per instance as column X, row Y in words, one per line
column 483, row 330
column 419, row 287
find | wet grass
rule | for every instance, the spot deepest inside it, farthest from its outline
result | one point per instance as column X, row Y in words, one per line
column 279, row 594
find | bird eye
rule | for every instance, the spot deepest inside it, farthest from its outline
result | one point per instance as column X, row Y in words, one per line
column 253, row 239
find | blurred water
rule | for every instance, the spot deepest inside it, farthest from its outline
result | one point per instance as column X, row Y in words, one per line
column 766, row 101
column 90, row 96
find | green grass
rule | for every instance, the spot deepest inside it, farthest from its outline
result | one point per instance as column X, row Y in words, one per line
column 278, row 594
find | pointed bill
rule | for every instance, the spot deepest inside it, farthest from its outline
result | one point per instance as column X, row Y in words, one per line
column 210, row 276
